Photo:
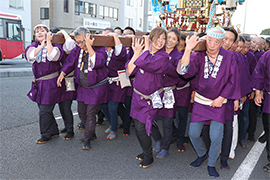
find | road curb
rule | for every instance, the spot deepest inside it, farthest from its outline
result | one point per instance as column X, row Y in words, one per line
column 15, row 73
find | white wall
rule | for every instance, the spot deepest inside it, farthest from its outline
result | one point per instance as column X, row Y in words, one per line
column 25, row 14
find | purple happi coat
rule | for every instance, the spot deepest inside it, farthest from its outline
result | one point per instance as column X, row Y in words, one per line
column 129, row 92
column 170, row 79
column 261, row 79
column 45, row 91
column 183, row 89
column 69, row 95
column 258, row 54
column 149, row 72
column 95, row 95
column 114, row 64
column 224, row 82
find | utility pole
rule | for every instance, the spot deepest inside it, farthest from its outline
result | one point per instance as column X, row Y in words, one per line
column 244, row 26
column 145, row 16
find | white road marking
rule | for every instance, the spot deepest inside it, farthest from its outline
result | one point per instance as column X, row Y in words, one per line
column 247, row 166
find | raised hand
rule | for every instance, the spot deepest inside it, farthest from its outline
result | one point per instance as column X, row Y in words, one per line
column 191, row 42
column 88, row 41
column 137, row 45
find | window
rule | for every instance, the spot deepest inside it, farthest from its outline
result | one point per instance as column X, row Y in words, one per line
column 129, row 22
column 141, row 2
column 77, row 12
column 130, row 2
column 81, row 6
column 1, row 29
column 16, row 4
column 149, row 6
column 111, row 13
column 150, row 25
column 65, row 5
column 140, row 22
column 44, row 13
column 92, row 9
column 106, row 11
column 86, row 6
column 13, row 31
column 115, row 14
column 101, row 11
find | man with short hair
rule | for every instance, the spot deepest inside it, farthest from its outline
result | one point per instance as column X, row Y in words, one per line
column 256, row 44
column 89, row 63
column 216, row 76
column 261, row 82
column 243, row 117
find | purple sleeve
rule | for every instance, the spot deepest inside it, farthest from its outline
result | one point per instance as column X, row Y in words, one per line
column 101, row 57
column 194, row 65
column 123, row 55
column 135, row 70
column 70, row 62
column 34, row 44
column 252, row 63
column 156, row 63
column 260, row 74
column 232, row 88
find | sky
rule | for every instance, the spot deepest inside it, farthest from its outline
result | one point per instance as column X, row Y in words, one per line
column 257, row 16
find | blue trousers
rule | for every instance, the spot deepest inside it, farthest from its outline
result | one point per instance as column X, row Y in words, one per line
column 110, row 112
column 243, row 122
column 216, row 136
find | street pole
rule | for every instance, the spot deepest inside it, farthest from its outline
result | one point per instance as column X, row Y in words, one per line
column 145, row 16
column 244, row 26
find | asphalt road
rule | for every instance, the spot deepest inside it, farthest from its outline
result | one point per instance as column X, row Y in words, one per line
column 22, row 158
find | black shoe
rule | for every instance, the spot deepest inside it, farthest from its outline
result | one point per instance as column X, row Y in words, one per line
column 266, row 168
column 99, row 122
column 81, row 127
column 180, row 147
column 79, row 124
column 186, row 140
column 145, row 163
column 86, row 145
column 140, row 157
column 251, row 138
column 55, row 135
column 63, row 130
column 69, row 136
column 212, row 172
column 262, row 139
column 93, row 138
column 126, row 132
column 198, row 161
column 43, row 140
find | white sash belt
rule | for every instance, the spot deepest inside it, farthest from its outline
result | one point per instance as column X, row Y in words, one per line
column 203, row 100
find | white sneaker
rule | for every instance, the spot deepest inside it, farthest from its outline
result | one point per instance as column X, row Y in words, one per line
column 112, row 135
column 107, row 131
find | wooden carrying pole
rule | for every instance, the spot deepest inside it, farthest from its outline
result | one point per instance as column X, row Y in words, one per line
column 108, row 41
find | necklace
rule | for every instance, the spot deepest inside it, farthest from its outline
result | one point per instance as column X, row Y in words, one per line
column 213, row 57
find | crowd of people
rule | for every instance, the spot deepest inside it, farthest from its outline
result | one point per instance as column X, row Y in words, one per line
column 223, row 87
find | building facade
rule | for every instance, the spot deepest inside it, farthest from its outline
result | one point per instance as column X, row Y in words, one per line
column 96, row 15
column 22, row 8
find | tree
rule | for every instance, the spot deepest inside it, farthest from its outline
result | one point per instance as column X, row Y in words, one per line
column 265, row 32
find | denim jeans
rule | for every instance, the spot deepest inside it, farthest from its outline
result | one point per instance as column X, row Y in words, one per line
column 216, row 135
column 110, row 111
column 243, row 122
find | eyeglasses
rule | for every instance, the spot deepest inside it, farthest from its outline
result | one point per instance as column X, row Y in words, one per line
column 79, row 42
